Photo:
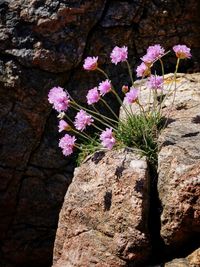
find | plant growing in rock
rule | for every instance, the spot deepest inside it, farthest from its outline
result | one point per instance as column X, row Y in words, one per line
column 138, row 129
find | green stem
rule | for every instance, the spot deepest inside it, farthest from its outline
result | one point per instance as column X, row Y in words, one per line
column 103, row 72
column 142, row 109
column 69, row 119
column 90, row 111
column 130, row 73
column 105, row 117
column 175, row 89
column 97, row 127
column 81, row 134
column 161, row 95
column 110, row 109
column 96, row 118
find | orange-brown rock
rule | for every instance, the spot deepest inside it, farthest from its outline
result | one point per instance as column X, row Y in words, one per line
column 103, row 221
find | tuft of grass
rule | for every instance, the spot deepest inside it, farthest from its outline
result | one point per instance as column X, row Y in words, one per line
column 137, row 131
column 87, row 148
column 141, row 132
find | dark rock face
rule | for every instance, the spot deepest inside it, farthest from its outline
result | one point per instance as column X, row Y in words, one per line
column 42, row 44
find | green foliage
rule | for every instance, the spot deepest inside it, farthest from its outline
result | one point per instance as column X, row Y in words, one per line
column 137, row 131
column 87, row 148
column 141, row 132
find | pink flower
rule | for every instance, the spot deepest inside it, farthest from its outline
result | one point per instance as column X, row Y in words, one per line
column 107, row 138
column 58, row 97
column 63, row 125
column 93, row 96
column 105, row 87
column 119, row 54
column 82, row 119
column 67, row 143
column 90, row 63
column 142, row 70
column 154, row 52
column 182, row 51
column 131, row 96
column 155, row 82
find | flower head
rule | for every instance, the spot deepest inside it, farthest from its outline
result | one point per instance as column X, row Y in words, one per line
column 154, row 52
column 155, row 82
column 131, row 96
column 125, row 89
column 142, row 70
column 105, row 87
column 82, row 119
column 119, row 54
column 90, row 63
column 63, row 126
column 93, row 96
column 58, row 97
column 107, row 138
column 67, row 143
column 182, row 51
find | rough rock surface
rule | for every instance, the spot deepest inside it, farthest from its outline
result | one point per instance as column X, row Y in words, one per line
column 103, row 221
column 178, row 167
column 193, row 260
column 43, row 43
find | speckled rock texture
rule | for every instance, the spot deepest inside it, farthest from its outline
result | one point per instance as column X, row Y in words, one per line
column 193, row 260
column 43, row 44
column 103, row 221
column 179, row 167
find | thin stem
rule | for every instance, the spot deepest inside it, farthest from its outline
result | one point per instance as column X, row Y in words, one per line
column 96, row 118
column 175, row 74
column 163, row 74
column 97, row 127
column 90, row 111
column 103, row 72
column 130, row 73
column 175, row 89
column 105, row 103
column 121, row 103
column 105, row 117
column 69, row 119
column 142, row 109
column 84, row 135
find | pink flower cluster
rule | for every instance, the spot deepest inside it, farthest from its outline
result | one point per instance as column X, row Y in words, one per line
column 67, row 144
column 182, row 51
column 61, row 100
column 154, row 52
column 107, row 138
column 58, row 97
column 105, row 87
column 82, row 119
column 119, row 54
column 94, row 94
column 63, row 126
column 90, row 63
column 142, row 70
column 155, row 82
column 131, row 96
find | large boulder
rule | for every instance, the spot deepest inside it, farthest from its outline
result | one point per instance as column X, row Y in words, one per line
column 43, row 43
column 103, row 221
column 178, row 167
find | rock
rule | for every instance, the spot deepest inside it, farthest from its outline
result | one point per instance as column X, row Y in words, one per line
column 103, row 221
column 193, row 260
column 178, row 168
column 43, row 44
